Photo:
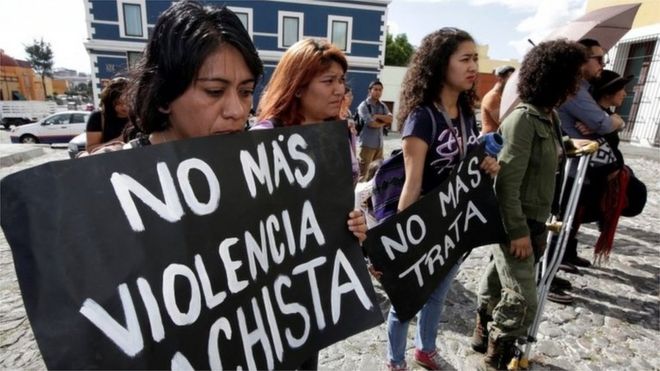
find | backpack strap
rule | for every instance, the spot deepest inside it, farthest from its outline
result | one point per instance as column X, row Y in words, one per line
column 434, row 127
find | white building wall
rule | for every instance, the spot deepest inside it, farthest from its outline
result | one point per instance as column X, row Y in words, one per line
column 647, row 122
column 392, row 77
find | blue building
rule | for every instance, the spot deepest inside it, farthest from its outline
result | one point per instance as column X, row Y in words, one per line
column 118, row 31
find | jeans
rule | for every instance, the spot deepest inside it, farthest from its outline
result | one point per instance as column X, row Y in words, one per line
column 427, row 322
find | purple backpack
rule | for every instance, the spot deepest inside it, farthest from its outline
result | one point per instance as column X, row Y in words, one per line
column 389, row 179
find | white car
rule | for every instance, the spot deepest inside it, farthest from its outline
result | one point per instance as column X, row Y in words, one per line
column 56, row 128
column 77, row 145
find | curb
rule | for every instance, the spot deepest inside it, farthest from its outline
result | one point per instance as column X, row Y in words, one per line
column 14, row 158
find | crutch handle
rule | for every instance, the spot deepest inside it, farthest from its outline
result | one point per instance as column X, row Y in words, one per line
column 554, row 227
column 581, row 147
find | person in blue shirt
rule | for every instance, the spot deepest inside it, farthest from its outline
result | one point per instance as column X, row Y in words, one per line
column 376, row 116
column 582, row 109
column 582, row 118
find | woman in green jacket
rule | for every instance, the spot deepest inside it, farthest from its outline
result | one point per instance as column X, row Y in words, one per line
column 525, row 186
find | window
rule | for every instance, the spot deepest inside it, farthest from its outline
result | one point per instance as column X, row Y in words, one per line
column 133, row 58
column 289, row 28
column 79, row 118
column 340, row 31
column 132, row 18
column 245, row 15
column 58, row 120
column 244, row 19
column 638, row 63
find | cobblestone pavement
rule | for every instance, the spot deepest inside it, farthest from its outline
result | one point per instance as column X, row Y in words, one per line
column 18, row 349
column 613, row 324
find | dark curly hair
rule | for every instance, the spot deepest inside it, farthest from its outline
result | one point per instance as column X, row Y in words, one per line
column 550, row 72
column 109, row 97
column 184, row 36
column 427, row 71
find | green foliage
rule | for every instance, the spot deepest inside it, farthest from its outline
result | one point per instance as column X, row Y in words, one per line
column 398, row 50
column 40, row 56
column 84, row 89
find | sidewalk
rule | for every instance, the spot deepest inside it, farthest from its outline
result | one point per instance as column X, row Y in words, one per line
column 11, row 154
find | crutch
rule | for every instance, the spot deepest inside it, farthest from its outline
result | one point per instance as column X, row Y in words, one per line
column 561, row 227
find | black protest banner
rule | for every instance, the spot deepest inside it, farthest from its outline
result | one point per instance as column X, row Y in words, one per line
column 218, row 252
column 417, row 247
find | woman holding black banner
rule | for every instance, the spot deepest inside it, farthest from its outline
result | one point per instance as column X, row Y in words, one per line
column 438, row 89
column 297, row 95
column 525, row 187
column 197, row 78
column 191, row 85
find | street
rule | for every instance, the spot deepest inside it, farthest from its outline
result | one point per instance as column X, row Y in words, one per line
column 614, row 322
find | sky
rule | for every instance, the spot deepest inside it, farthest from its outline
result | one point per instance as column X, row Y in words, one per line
column 59, row 22
column 505, row 25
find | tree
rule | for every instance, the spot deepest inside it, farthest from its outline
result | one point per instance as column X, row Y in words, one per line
column 398, row 50
column 40, row 56
column 84, row 89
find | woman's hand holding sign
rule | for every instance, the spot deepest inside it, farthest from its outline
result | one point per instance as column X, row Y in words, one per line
column 357, row 224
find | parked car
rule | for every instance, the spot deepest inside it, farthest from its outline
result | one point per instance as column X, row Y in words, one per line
column 77, row 144
column 56, row 128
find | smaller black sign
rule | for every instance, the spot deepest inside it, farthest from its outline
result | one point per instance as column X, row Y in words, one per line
column 416, row 248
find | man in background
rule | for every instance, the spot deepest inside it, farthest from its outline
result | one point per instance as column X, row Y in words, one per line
column 490, row 104
column 376, row 116
column 582, row 118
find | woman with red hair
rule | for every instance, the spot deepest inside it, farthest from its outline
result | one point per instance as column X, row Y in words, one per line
column 307, row 87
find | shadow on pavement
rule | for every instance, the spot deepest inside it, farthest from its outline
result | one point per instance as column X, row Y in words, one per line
column 630, row 249
column 649, row 269
column 633, row 311
column 459, row 311
column 642, row 285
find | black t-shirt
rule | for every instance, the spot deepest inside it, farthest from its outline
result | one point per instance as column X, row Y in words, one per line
column 94, row 122
column 443, row 152
column 112, row 129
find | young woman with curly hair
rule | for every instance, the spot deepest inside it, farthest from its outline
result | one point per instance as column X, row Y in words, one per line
column 437, row 89
column 525, row 187
column 107, row 124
